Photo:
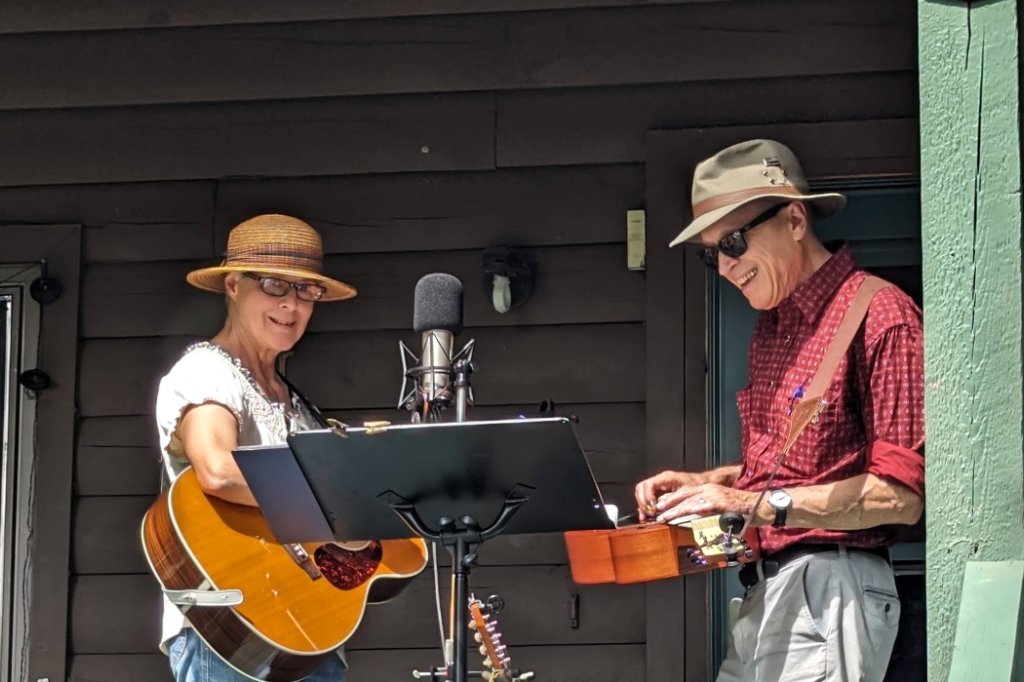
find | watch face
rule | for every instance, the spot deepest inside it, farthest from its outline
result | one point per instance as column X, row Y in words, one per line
column 778, row 498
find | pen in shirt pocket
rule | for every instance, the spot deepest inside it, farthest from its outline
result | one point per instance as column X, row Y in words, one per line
column 797, row 394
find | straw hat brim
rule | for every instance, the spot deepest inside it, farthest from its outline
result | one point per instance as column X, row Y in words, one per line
column 824, row 205
column 212, row 279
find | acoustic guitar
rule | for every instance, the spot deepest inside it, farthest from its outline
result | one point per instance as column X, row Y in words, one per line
column 272, row 612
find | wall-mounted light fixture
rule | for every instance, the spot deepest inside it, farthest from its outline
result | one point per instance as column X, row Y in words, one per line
column 508, row 277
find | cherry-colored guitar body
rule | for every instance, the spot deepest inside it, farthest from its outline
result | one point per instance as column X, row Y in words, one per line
column 654, row 551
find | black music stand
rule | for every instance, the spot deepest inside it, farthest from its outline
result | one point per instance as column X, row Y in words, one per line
column 458, row 484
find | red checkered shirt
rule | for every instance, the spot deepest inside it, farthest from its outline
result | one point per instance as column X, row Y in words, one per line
column 874, row 419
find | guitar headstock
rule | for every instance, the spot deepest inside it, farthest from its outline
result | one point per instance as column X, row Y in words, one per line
column 496, row 658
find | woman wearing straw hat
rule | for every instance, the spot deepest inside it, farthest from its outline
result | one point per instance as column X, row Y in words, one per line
column 226, row 392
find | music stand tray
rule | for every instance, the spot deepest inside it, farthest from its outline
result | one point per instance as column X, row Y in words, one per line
column 457, row 483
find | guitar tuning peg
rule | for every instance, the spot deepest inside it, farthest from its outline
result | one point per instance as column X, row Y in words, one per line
column 483, row 650
column 472, row 625
column 492, row 626
column 487, row 663
column 478, row 637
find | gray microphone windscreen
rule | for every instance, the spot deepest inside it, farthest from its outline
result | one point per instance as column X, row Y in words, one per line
column 438, row 304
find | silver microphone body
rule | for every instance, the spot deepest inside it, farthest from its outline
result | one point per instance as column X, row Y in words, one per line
column 436, row 359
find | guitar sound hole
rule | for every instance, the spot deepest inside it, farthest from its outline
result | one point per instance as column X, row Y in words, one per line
column 346, row 569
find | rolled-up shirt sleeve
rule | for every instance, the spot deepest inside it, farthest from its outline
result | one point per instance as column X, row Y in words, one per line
column 894, row 406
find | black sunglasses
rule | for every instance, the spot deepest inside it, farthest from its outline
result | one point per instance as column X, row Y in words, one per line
column 279, row 287
column 734, row 244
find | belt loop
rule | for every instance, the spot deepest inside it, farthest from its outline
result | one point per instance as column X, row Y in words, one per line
column 760, row 570
column 843, row 554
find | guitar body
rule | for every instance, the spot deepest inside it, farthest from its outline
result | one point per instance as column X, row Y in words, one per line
column 298, row 606
column 655, row 551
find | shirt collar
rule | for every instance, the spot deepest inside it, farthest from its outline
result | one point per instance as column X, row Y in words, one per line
column 811, row 297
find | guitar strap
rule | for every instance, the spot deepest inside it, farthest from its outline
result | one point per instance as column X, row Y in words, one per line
column 313, row 409
column 844, row 335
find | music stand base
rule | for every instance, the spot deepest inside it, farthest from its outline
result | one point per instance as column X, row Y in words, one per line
column 461, row 543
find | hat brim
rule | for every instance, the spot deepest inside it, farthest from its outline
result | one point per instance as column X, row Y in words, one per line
column 212, row 279
column 824, row 205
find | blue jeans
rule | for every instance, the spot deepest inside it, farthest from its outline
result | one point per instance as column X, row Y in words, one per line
column 193, row 661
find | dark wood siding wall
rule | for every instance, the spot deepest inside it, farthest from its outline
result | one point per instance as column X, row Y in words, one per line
column 413, row 135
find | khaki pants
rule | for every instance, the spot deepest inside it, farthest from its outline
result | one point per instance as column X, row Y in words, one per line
column 830, row 616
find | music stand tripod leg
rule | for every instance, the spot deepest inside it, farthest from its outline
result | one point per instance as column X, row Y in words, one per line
column 461, row 544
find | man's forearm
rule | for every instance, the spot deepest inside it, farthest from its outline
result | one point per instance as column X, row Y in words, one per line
column 863, row 501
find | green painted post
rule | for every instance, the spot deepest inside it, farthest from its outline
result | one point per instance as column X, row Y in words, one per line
column 971, row 247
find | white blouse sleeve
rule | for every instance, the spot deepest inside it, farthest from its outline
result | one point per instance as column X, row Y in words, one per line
column 201, row 377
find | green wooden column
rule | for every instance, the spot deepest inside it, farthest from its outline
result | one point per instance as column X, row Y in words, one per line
column 971, row 245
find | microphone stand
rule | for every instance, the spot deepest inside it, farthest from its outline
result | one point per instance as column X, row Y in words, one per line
column 461, row 538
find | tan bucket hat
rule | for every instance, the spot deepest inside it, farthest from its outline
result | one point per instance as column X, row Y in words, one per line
column 274, row 244
column 746, row 172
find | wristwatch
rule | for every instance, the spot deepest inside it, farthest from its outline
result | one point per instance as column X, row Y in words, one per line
column 780, row 502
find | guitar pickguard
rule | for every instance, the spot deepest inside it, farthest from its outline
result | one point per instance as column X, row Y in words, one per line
column 347, row 569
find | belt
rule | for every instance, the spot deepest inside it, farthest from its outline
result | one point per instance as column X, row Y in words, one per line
column 771, row 564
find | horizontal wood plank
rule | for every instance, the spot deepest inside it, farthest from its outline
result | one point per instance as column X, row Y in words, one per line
column 480, row 52
column 354, row 370
column 440, row 132
column 127, row 222
column 105, row 537
column 581, row 663
column 446, row 211
column 607, row 663
column 516, row 365
column 115, row 614
column 599, row 125
column 845, row 149
column 120, row 668
column 119, row 455
column 29, row 16
column 120, row 614
column 117, row 470
column 574, row 285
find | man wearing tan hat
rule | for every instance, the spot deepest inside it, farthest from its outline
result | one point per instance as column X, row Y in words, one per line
column 821, row 604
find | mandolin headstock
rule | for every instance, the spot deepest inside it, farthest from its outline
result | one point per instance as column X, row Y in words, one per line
column 497, row 662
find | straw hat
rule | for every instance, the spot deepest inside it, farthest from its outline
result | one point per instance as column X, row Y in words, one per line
column 746, row 172
column 276, row 245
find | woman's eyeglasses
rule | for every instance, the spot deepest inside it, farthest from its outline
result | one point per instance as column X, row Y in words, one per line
column 734, row 244
column 279, row 287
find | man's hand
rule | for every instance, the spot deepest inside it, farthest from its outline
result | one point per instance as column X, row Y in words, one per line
column 708, row 499
column 649, row 491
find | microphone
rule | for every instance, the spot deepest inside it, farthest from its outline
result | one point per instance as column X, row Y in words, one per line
column 437, row 317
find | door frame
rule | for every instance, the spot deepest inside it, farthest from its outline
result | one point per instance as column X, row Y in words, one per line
column 57, row 248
